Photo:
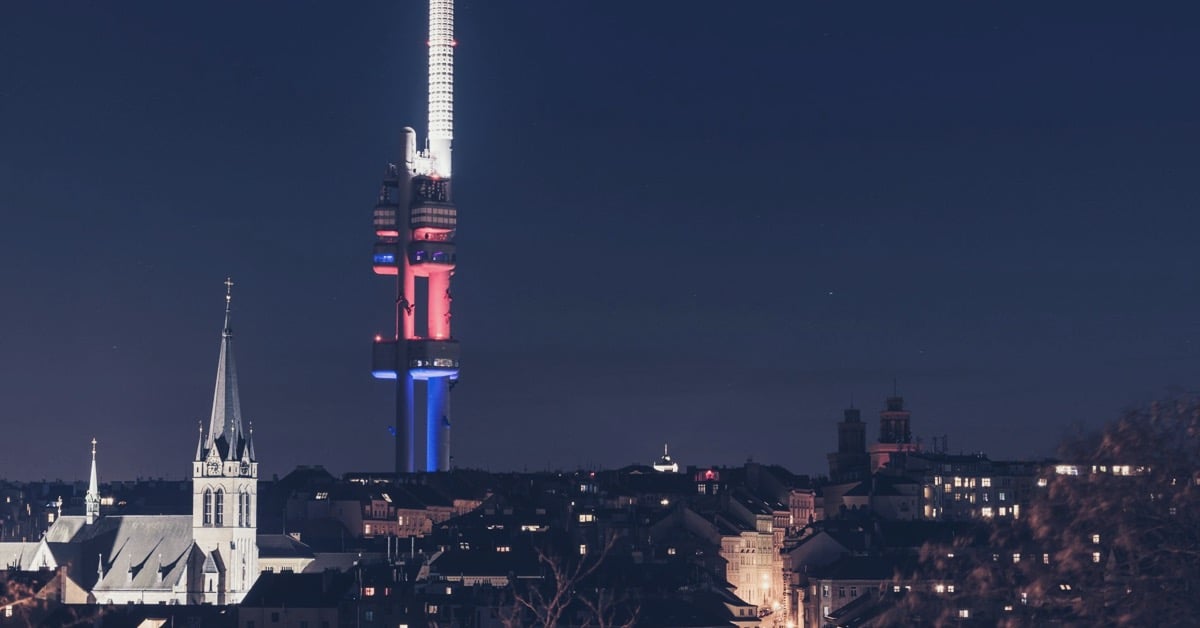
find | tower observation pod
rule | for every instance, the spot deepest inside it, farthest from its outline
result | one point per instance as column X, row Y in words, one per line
column 415, row 222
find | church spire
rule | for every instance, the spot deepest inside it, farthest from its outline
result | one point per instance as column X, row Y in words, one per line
column 91, row 499
column 225, row 424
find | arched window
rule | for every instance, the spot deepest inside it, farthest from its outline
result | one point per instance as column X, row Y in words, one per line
column 241, row 513
column 208, row 497
column 249, row 513
column 220, row 507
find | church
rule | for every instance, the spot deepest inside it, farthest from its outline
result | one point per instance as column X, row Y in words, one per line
column 208, row 557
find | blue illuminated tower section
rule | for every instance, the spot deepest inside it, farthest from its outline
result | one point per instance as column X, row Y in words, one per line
column 415, row 223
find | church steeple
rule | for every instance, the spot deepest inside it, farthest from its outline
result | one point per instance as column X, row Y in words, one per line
column 225, row 486
column 91, row 499
column 225, row 432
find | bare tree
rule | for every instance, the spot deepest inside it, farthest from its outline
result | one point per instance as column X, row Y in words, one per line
column 1113, row 537
column 562, row 599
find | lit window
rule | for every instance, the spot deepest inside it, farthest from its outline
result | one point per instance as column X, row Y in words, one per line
column 670, row 551
column 1017, row 558
column 985, row 482
column 1095, row 557
column 986, row 511
column 1042, row 482
column 964, row 613
column 1045, row 559
column 939, row 588
column 1095, row 539
column 583, row 549
column 958, row 481
column 586, row 517
column 503, row 549
column 949, row 588
column 1002, row 496
column 368, row 591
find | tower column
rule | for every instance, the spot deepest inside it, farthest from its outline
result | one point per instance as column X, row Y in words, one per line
column 439, row 305
column 437, row 424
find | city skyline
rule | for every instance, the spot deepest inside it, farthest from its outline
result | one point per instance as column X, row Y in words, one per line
column 710, row 228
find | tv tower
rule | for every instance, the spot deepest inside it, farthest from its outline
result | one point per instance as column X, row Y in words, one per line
column 415, row 222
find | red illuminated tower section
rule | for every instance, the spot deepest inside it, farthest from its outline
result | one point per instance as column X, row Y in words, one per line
column 415, row 223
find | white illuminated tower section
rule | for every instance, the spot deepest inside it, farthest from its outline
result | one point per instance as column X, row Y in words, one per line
column 415, row 223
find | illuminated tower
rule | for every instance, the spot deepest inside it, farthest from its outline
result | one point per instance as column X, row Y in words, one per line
column 894, row 433
column 415, row 222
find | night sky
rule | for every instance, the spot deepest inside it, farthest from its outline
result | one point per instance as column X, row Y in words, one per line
column 710, row 223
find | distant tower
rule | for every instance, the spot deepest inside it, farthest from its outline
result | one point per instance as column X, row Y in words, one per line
column 91, row 500
column 225, row 487
column 415, row 224
column 665, row 464
column 850, row 462
column 894, row 433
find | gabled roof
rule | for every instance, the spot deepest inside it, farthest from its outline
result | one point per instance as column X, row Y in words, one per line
column 299, row 590
column 18, row 555
column 864, row 568
column 521, row 561
column 282, row 546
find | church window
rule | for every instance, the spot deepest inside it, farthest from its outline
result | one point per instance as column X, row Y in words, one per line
column 208, row 497
column 220, row 507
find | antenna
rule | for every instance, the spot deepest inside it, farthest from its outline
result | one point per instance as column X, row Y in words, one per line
column 441, row 84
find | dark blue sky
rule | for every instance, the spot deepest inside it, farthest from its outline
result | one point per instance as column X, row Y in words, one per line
column 690, row 222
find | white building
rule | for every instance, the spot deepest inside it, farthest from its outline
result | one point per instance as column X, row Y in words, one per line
column 208, row 557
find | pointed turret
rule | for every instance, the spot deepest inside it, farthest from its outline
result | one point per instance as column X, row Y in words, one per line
column 225, row 424
column 200, row 442
column 91, row 499
column 248, row 455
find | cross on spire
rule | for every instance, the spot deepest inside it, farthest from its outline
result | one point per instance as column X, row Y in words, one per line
column 93, row 449
column 228, row 300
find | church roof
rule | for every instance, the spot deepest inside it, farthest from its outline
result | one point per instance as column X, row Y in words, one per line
column 120, row 553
